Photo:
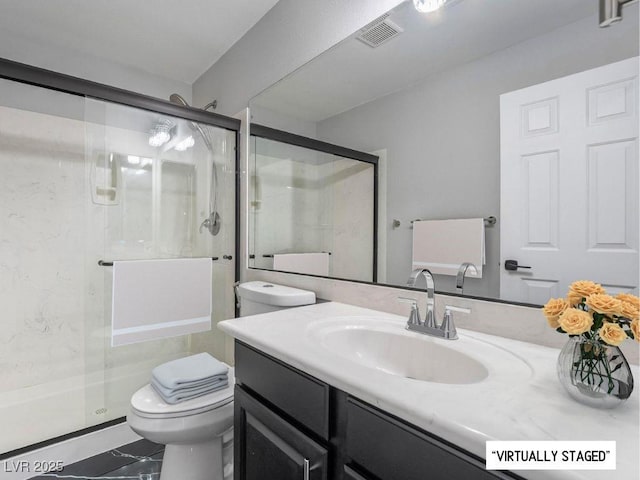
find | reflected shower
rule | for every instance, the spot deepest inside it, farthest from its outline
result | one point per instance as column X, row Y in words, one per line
column 213, row 221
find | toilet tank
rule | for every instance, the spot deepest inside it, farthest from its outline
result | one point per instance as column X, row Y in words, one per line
column 264, row 297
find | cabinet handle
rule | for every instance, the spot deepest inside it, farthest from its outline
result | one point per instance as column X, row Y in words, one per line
column 305, row 471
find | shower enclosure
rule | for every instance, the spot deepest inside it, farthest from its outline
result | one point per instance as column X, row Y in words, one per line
column 85, row 181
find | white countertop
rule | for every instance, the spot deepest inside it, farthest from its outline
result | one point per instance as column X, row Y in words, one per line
column 534, row 406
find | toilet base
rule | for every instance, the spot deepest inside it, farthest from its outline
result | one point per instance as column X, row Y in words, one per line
column 201, row 461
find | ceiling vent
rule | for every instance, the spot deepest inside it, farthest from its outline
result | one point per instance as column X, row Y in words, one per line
column 380, row 31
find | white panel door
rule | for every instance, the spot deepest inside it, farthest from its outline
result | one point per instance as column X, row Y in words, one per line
column 569, row 184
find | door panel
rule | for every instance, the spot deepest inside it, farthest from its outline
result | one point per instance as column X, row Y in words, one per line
column 569, row 183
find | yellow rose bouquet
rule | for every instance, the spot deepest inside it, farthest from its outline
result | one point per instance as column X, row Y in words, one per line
column 590, row 366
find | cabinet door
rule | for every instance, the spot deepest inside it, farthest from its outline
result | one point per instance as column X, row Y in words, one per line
column 267, row 447
column 349, row 474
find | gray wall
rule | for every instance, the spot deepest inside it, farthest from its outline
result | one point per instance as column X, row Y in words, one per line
column 289, row 35
column 442, row 135
column 79, row 64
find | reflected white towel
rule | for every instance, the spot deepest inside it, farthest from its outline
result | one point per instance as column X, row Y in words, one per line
column 310, row 263
column 443, row 245
column 155, row 299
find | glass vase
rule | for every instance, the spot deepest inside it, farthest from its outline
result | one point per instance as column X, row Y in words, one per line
column 594, row 373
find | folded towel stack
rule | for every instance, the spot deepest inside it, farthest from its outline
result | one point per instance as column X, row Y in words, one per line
column 190, row 377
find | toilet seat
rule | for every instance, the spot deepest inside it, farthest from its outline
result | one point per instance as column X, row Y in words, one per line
column 147, row 403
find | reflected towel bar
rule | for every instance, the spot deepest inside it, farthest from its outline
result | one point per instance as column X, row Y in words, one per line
column 488, row 221
column 103, row 263
column 270, row 255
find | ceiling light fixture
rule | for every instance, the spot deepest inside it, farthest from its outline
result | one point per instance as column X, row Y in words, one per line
column 428, row 6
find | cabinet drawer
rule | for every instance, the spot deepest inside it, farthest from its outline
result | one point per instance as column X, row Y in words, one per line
column 390, row 449
column 296, row 394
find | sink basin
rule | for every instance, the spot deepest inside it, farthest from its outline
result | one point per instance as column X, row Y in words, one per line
column 387, row 347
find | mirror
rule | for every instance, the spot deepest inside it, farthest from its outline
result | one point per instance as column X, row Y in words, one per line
column 478, row 111
column 312, row 207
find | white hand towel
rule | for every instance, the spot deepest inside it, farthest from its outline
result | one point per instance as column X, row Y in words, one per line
column 443, row 245
column 155, row 299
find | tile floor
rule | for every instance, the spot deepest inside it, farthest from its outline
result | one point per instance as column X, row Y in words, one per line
column 140, row 460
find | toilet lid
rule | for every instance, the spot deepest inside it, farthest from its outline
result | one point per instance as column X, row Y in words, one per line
column 146, row 402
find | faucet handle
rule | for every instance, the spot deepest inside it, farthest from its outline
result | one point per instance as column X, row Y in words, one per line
column 448, row 327
column 451, row 308
column 414, row 316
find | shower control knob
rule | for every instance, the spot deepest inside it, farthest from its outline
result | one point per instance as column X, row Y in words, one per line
column 227, row 257
column 212, row 223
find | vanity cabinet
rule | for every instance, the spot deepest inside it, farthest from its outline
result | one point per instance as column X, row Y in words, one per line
column 289, row 425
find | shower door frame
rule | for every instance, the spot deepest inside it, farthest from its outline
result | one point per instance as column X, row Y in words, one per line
column 269, row 133
column 39, row 77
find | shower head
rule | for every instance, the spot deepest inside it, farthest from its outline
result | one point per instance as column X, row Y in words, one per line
column 178, row 99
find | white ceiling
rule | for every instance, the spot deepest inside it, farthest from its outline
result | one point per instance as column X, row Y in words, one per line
column 352, row 73
column 175, row 39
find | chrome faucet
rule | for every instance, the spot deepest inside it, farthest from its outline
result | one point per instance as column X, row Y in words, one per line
column 446, row 329
column 430, row 316
column 462, row 271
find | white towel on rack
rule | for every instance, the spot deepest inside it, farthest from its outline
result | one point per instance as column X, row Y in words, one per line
column 443, row 245
column 309, row 263
column 155, row 299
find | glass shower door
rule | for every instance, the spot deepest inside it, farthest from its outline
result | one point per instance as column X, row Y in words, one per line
column 84, row 180
column 152, row 199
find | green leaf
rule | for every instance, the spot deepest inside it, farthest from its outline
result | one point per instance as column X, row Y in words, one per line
column 597, row 321
column 617, row 367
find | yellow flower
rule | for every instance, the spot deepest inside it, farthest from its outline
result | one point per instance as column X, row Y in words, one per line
column 630, row 306
column 575, row 322
column 582, row 289
column 553, row 309
column 629, row 310
column 629, row 298
column 635, row 329
column 612, row 334
column 603, row 303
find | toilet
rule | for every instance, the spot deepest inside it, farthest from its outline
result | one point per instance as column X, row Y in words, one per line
column 263, row 297
column 198, row 433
